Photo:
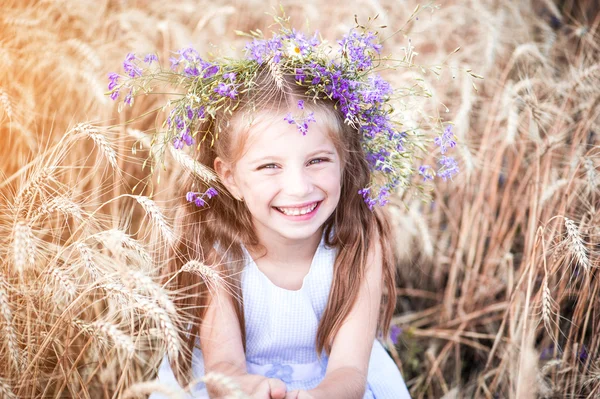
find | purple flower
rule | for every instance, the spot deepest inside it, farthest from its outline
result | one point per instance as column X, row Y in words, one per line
column 424, row 171
column 187, row 138
column 199, row 202
column 210, row 71
column 230, row 76
column 189, row 54
column 149, row 58
column 177, row 143
column 445, row 140
column 226, row 90
column 448, row 168
column 190, row 112
column 114, row 95
column 395, row 332
column 289, row 118
column 198, row 198
column 129, row 98
column 113, row 80
column 300, row 104
column 300, row 76
column 211, row 192
column 130, row 67
column 359, row 48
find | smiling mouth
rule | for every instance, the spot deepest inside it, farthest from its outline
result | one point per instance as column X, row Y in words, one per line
column 298, row 211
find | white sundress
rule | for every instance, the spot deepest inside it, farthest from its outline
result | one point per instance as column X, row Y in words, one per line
column 281, row 326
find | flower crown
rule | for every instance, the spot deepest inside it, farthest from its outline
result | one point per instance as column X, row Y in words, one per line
column 346, row 75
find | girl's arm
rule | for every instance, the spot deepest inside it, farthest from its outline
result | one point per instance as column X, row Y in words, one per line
column 346, row 375
column 223, row 353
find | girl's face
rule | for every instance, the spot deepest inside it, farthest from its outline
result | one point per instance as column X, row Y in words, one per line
column 291, row 183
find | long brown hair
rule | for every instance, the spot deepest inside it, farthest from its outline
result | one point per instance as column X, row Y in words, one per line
column 215, row 234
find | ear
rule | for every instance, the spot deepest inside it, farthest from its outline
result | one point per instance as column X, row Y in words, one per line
column 225, row 172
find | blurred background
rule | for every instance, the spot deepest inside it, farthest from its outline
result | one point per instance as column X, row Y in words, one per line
column 498, row 291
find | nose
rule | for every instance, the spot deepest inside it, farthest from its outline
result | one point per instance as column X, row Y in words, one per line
column 297, row 182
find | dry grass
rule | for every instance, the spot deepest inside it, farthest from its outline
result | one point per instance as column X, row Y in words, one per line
column 498, row 295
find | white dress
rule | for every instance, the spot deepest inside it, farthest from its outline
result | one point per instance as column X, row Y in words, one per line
column 281, row 326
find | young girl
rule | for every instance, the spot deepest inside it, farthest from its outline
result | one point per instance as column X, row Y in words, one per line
column 287, row 266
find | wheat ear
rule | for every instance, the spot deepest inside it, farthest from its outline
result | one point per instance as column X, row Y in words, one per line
column 575, row 243
column 5, row 101
column 200, row 269
column 157, row 217
column 192, row 166
column 9, row 332
column 100, row 140
column 147, row 387
column 103, row 330
column 23, row 247
column 5, row 390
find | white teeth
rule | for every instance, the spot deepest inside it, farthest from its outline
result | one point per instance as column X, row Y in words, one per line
column 298, row 211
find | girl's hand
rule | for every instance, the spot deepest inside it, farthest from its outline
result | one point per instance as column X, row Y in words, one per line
column 269, row 388
column 300, row 395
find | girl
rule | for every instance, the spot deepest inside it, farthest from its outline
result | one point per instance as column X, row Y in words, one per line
column 287, row 267
column 317, row 275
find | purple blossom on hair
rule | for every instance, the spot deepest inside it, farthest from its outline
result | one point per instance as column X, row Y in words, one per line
column 178, row 143
column 300, row 76
column 358, row 48
column 230, row 76
column 448, row 168
column 210, row 71
column 226, row 90
column 424, row 170
column 198, row 198
column 446, row 140
column 211, row 192
column 188, row 139
column 149, row 58
column 129, row 98
column 300, row 104
column 130, row 67
column 113, row 80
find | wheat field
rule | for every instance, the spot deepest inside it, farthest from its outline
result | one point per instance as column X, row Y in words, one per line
column 498, row 295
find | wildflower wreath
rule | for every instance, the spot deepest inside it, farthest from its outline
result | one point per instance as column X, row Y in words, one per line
column 346, row 75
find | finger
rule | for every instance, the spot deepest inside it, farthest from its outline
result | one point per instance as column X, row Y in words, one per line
column 278, row 388
column 292, row 394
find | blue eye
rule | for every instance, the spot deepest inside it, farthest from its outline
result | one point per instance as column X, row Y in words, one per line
column 268, row 166
column 317, row 161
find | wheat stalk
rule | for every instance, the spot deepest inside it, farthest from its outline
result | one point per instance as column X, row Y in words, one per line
column 103, row 330
column 5, row 390
column 23, row 247
column 33, row 184
column 5, row 101
column 276, row 73
column 225, row 382
column 59, row 204
column 195, row 168
column 157, row 217
column 9, row 332
column 116, row 240
column 165, row 324
column 576, row 245
column 86, row 255
column 100, row 140
column 65, row 285
column 145, row 283
column 148, row 387
column 198, row 268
